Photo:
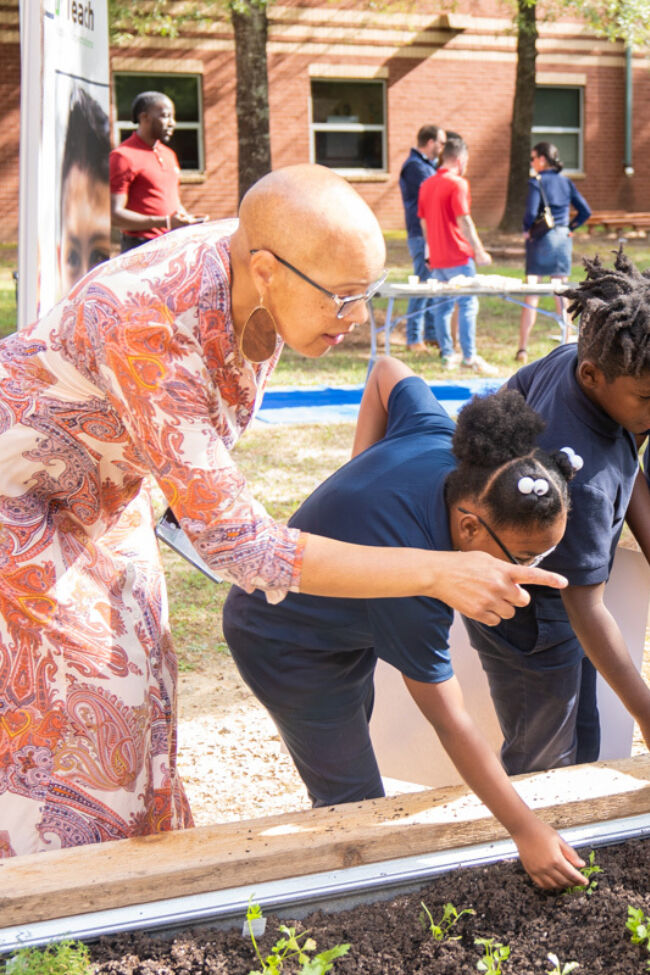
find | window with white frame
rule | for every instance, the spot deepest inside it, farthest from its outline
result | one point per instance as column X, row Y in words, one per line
column 558, row 119
column 185, row 92
column 348, row 124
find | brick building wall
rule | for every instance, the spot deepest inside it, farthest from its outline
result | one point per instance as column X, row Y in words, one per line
column 9, row 119
column 456, row 70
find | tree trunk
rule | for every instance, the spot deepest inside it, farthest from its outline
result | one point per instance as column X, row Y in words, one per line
column 522, row 116
column 250, row 25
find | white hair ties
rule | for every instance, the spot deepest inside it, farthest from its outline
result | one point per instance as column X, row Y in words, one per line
column 529, row 485
column 576, row 461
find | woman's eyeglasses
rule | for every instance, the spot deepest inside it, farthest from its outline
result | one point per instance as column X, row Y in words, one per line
column 532, row 562
column 343, row 303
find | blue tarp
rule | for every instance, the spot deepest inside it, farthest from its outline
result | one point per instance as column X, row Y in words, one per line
column 330, row 404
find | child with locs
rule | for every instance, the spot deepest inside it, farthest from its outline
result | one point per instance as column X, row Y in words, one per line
column 541, row 664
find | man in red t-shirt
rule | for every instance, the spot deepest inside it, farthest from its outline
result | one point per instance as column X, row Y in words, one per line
column 454, row 247
column 145, row 175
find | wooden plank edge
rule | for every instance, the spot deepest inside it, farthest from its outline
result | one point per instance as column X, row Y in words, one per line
column 116, row 874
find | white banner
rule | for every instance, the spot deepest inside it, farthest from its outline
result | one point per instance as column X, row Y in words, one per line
column 64, row 146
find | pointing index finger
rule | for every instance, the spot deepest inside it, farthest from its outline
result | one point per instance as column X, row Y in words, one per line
column 527, row 575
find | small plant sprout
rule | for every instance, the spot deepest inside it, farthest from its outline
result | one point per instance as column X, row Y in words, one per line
column 587, row 871
column 64, row 958
column 289, row 947
column 638, row 924
column 493, row 954
column 450, row 916
column 558, row 968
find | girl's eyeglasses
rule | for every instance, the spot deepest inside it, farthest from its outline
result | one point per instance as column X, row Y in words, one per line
column 532, row 562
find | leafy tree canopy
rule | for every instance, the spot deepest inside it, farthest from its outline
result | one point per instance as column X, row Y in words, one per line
column 617, row 20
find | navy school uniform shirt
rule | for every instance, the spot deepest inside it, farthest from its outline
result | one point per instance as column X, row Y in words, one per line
column 599, row 492
column 390, row 495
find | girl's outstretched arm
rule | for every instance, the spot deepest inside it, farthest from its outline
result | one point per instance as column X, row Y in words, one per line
column 548, row 860
column 373, row 412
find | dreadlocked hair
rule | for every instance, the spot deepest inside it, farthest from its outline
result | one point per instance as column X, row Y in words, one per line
column 494, row 443
column 614, row 308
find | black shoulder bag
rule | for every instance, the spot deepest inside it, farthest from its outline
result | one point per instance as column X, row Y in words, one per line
column 544, row 221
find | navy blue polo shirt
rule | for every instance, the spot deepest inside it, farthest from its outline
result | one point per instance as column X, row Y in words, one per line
column 413, row 173
column 390, row 495
column 600, row 492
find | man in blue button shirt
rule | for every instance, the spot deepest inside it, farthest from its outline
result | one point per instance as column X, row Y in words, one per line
column 422, row 162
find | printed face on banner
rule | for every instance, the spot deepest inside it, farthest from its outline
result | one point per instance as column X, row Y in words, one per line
column 64, row 195
column 83, row 145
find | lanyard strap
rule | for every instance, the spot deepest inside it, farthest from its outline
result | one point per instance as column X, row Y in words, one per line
column 541, row 191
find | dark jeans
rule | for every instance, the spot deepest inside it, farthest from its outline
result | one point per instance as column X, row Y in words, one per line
column 543, row 689
column 420, row 321
column 321, row 703
column 332, row 753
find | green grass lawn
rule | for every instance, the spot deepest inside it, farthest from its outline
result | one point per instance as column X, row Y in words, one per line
column 284, row 464
column 347, row 363
column 497, row 328
column 8, row 264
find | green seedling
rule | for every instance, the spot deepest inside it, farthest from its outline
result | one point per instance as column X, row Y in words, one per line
column 638, row 924
column 493, row 954
column 587, row 871
column 291, row 946
column 566, row 969
column 64, row 958
column 450, row 916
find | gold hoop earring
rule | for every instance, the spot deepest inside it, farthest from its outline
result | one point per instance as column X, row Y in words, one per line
column 258, row 344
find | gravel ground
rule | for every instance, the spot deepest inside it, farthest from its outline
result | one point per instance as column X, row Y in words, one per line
column 231, row 757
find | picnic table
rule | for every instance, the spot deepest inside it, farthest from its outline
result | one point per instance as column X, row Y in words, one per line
column 618, row 220
column 487, row 285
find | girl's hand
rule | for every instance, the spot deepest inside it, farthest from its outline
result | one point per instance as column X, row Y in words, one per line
column 547, row 859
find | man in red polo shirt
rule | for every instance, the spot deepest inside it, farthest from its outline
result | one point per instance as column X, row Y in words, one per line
column 145, row 175
column 454, row 247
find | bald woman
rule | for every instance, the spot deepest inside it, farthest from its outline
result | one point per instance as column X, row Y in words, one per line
column 153, row 366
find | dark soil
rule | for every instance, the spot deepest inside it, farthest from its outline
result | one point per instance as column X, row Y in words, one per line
column 387, row 937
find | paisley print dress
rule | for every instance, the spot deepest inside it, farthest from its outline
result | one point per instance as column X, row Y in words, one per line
column 135, row 374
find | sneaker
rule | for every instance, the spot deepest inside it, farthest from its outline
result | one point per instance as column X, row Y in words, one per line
column 478, row 364
column 450, row 362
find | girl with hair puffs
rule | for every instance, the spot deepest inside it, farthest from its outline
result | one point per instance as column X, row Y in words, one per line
column 415, row 480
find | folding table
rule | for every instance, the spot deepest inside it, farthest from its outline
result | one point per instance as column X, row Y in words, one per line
column 509, row 289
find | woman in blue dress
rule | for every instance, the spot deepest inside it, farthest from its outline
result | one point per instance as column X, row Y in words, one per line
column 549, row 255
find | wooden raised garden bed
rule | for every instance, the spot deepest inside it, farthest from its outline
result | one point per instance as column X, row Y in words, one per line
column 246, row 855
